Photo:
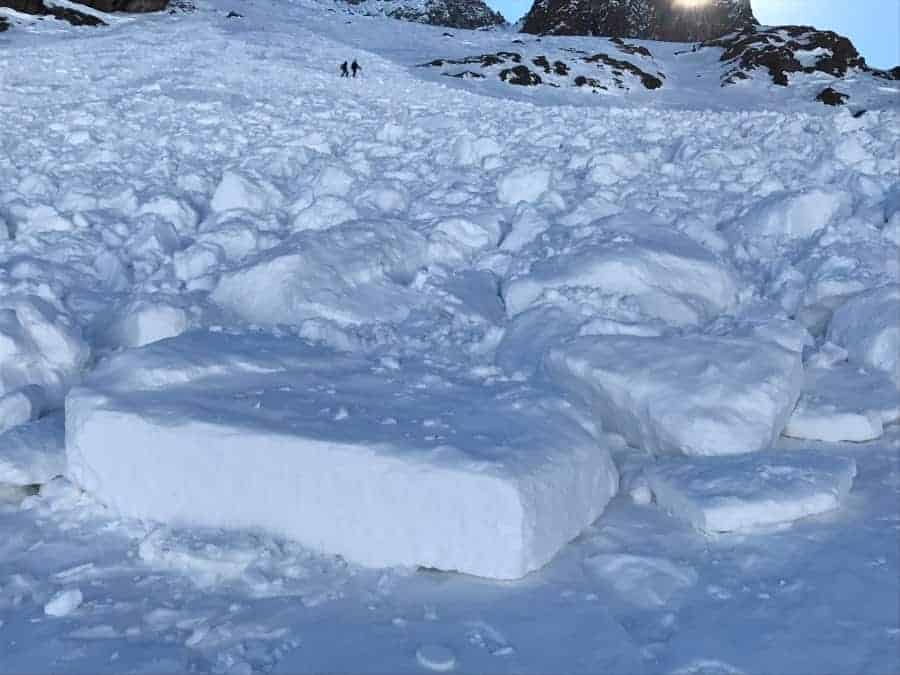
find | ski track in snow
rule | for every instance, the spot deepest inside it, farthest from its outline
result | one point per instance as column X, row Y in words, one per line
column 112, row 189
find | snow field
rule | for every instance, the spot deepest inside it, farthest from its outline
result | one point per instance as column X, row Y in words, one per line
column 406, row 222
column 385, row 470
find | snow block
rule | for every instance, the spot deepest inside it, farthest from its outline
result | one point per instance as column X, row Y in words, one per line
column 726, row 494
column 660, row 273
column 868, row 327
column 399, row 468
column 697, row 395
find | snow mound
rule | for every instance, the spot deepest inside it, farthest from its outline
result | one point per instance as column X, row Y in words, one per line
column 636, row 272
column 698, row 395
column 868, row 327
column 352, row 274
column 726, row 494
column 406, row 469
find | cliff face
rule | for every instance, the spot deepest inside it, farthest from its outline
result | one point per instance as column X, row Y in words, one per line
column 670, row 20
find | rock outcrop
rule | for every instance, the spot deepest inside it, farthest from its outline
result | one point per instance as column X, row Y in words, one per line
column 782, row 50
column 670, row 20
column 470, row 14
column 38, row 8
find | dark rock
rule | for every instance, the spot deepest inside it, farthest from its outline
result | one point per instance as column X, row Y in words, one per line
column 448, row 34
column 4, row 24
column 38, row 8
column 829, row 96
column 470, row 14
column 560, row 68
column 619, row 67
column 859, row 113
column 466, row 75
column 630, row 49
column 520, row 75
column 134, row 6
column 641, row 19
column 234, row 15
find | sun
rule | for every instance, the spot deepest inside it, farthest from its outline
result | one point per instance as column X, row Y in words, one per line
column 690, row 4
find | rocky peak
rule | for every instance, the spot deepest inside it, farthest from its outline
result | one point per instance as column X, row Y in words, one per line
column 471, row 14
column 670, row 20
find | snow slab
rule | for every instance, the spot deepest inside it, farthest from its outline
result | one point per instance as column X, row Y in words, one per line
column 405, row 467
column 868, row 327
column 698, row 395
column 726, row 494
column 844, row 403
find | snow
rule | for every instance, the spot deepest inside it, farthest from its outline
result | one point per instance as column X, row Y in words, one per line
column 436, row 657
column 490, row 481
column 63, row 603
column 697, row 395
column 727, row 494
column 868, row 326
column 718, row 252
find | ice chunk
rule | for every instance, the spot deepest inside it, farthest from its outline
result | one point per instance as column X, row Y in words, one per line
column 523, row 184
column 795, row 215
column 350, row 274
column 33, row 452
column 649, row 271
column 844, row 403
column 236, row 191
column 39, row 346
column 146, row 321
column 868, row 327
column 259, row 432
column 699, row 395
column 644, row 581
column 63, row 603
column 725, row 494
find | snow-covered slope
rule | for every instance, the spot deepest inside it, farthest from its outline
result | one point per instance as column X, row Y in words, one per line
column 660, row 267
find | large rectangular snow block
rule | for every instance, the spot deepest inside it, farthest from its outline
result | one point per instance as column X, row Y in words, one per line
column 383, row 465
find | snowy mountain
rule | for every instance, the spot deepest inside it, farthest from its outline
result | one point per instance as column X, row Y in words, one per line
column 469, row 14
column 668, row 20
column 303, row 373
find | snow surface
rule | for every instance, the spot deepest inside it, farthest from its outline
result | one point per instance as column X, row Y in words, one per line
column 175, row 175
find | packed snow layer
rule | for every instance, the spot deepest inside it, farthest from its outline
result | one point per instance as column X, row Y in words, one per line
column 726, row 494
column 396, row 468
column 698, row 395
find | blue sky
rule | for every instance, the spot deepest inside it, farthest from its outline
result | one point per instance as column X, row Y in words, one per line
column 873, row 25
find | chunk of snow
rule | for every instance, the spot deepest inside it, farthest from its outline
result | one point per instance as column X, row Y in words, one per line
column 726, row 494
column 236, row 191
column 39, row 346
column 33, row 452
column 523, row 184
column 326, row 211
column 663, row 273
column 64, row 603
column 843, row 403
column 146, row 321
column 239, row 432
column 438, row 658
column 21, row 406
column 868, row 327
column 350, row 275
column 797, row 215
column 698, row 395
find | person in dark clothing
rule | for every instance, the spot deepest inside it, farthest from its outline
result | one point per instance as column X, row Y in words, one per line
column 344, row 72
column 355, row 67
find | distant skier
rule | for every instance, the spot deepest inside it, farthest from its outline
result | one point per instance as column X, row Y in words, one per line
column 355, row 67
column 344, row 72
